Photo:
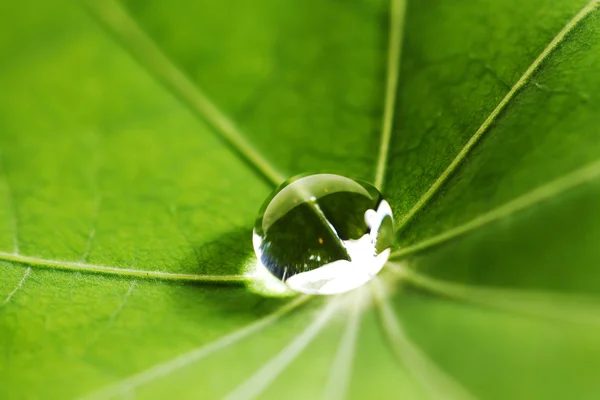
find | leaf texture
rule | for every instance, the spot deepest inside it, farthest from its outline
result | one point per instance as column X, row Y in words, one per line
column 138, row 139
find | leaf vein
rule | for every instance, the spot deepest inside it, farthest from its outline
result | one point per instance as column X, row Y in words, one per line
column 397, row 16
column 341, row 368
column 122, row 272
column 256, row 384
column 158, row 371
column 572, row 309
column 117, row 311
column 431, row 377
column 147, row 53
column 16, row 289
column 485, row 127
column 545, row 192
column 98, row 199
column 92, row 235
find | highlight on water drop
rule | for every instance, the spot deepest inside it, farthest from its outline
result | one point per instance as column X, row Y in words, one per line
column 324, row 234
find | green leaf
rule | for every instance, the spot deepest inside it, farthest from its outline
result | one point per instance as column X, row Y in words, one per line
column 139, row 139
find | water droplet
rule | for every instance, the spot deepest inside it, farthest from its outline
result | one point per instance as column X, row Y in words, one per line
column 324, row 234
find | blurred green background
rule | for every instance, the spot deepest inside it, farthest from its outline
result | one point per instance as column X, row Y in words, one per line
column 144, row 136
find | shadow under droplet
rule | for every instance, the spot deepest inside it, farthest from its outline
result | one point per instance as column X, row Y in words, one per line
column 227, row 255
column 230, row 254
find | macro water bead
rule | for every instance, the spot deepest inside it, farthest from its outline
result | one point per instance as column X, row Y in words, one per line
column 324, row 234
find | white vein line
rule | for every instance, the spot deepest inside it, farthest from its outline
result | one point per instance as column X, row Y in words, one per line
column 19, row 285
column 92, row 235
column 102, row 269
column 176, row 220
column 11, row 206
column 551, row 305
column 545, row 192
column 258, row 382
column 96, row 166
column 496, row 112
column 397, row 14
column 150, row 56
column 128, row 385
column 436, row 383
column 113, row 315
column 341, row 368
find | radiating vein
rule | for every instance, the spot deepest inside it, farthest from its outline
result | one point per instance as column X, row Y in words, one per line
column 96, row 166
column 545, row 192
column 123, row 272
column 341, row 368
column 161, row 370
column 555, row 306
column 92, row 235
column 121, row 25
column 436, row 383
column 256, row 384
column 112, row 318
column 115, row 313
column 485, row 127
column 19, row 285
column 397, row 15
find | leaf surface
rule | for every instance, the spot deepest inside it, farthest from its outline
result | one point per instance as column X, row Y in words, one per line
column 140, row 138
